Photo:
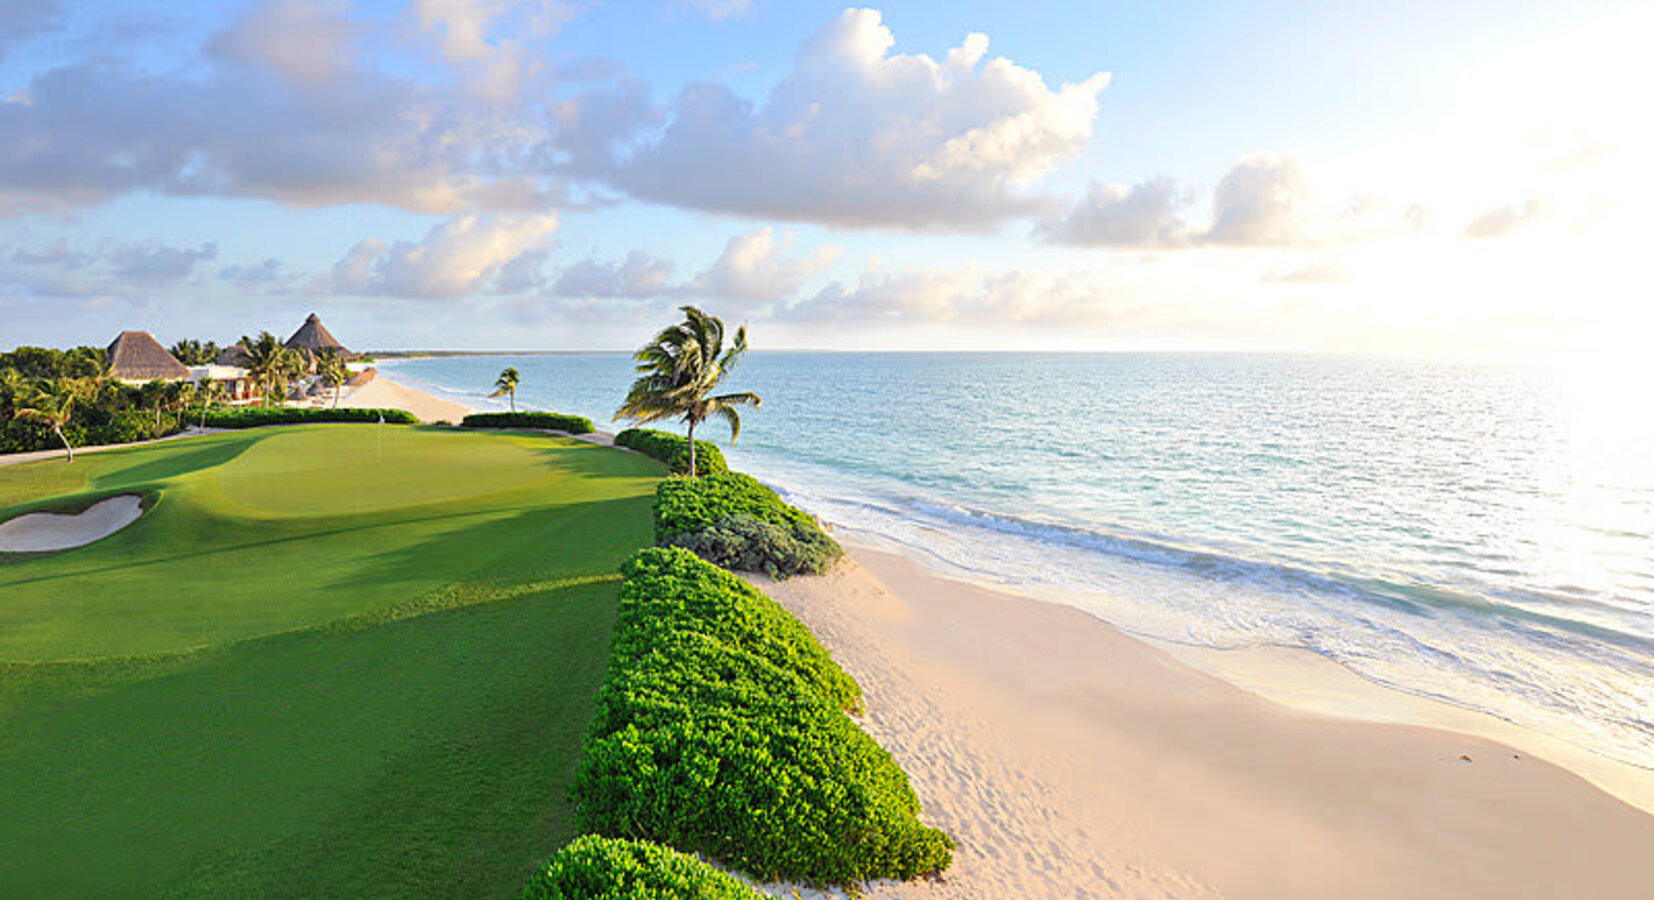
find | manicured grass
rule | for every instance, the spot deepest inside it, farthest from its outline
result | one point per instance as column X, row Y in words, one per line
column 237, row 697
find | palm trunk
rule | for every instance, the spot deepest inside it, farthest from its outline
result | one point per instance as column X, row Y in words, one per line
column 65, row 440
column 691, row 448
column 513, row 399
column 336, row 394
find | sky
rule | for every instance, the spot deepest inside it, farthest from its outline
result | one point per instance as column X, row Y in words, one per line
column 1453, row 176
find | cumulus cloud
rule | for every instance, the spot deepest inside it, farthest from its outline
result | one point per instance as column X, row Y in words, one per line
column 489, row 39
column 972, row 295
column 463, row 255
column 1262, row 201
column 857, row 136
column 638, row 275
column 282, row 106
column 755, row 267
column 1504, row 220
column 105, row 269
column 1118, row 215
column 308, row 41
column 271, row 276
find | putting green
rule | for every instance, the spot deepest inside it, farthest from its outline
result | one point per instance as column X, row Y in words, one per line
column 325, row 663
column 268, row 531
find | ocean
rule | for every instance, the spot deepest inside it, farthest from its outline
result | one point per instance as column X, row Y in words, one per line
column 1478, row 533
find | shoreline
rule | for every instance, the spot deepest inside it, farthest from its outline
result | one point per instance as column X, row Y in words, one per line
column 1070, row 758
column 1300, row 679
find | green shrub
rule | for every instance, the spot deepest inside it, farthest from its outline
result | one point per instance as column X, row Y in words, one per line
column 598, row 868
column 669, row 590
column 547, row 420
column 736, row 522
column 673, row 449
column 727, row 738
column 255, row 416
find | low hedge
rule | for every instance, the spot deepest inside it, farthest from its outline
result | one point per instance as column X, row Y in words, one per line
column 671, row 590
column 728, row 739
column 599, row 868
column 547, row 420
column 733, row 520
column 255, row 416
column 673, row 449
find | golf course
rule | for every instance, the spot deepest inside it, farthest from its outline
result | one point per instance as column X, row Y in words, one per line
column 327, row 661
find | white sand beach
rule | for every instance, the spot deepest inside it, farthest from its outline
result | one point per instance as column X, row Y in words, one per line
column 43, row 532
column 385, row 393
column 1071, row 760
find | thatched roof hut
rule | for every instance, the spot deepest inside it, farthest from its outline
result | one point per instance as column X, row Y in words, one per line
column 234, row 355
column 138, row 356
column 313, row 338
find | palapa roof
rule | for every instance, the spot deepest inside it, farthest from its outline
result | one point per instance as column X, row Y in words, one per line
column 314, row 337
column 234, row 355
column 138, row 356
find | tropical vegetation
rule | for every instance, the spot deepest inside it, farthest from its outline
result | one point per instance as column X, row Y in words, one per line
column 722, row 731
column 673, row 449
column 103, row 411
column 598, row 868
column 259, row 416
column 507, row 384
column 273, row 366
column 679, row 370
column 732, row 520
column 548, row 421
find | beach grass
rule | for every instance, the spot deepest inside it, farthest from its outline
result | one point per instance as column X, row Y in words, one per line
column 328, row 661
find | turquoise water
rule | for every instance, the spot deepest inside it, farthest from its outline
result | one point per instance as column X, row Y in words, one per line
column 1478, row 533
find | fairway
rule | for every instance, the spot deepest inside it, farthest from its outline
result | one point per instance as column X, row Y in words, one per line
column 329, row 661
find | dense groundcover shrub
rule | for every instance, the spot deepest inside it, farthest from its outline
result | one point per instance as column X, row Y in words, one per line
column 673, row 449
column 733, row 520
column 547, row 420
column 254, row 416
column 598, row 868
column 720, row 730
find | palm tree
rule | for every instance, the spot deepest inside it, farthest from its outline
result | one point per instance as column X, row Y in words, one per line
column 507, row 384
column 330, row 367
column 272, row 365
column 679, row 370
column 53, row 405
column 207, row 394
column 152, row 394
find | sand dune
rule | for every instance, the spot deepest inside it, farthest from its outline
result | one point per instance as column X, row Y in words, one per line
column 1071, row 760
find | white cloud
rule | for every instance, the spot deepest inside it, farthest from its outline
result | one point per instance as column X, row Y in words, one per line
column 489, row 39
column 1262, row 201
column 1119, row 215
column 753, row 267
column 461, row 256
column 106, row 269
column 308, row 41
column 638, row 275
column 282, row 105
column 970, row 295
column 1504, row 220
column 857, row 136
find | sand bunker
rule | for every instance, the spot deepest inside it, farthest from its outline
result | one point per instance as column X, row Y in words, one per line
column 42, row 532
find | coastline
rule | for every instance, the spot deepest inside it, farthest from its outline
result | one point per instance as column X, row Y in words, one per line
column 1301, row 680
column 1069, row 758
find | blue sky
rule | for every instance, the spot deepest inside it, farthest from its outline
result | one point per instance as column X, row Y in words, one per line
column 1413, row 176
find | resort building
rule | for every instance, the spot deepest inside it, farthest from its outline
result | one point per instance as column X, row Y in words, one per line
column 313, row 339
column 136, row 357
